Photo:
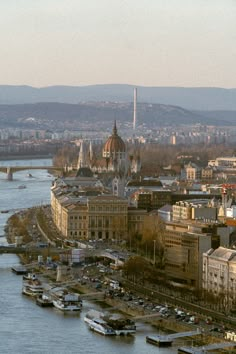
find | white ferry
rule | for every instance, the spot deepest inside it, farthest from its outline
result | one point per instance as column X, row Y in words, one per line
column 67, row 302
column 97, row 324
column 109, row 325
column 32, row 287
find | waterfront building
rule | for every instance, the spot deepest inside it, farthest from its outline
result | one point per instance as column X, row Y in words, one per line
column 107, row 218
column 184, row 247
column 219, row 273
column 83, row 209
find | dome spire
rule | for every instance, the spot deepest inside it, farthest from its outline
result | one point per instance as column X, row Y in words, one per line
column 114, row 129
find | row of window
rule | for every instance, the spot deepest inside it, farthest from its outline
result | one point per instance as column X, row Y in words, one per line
column 78, row 233
column 109, row 208
column 75, row 217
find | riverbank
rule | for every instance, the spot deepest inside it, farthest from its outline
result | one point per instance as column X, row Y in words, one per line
column 83, row 283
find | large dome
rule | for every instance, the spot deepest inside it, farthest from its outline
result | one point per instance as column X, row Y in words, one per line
column 114, row 144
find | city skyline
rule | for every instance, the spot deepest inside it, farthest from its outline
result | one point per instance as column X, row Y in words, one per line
column 179, row 43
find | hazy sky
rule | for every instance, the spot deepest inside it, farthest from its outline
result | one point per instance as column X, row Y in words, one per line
column 140, row 42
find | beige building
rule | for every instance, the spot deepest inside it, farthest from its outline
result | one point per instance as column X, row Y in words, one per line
column 195, row 209
column 183, row 253
column 219, row 272
column 98, row 217
column 207, row 173
column 193, row 172
column 107, row 217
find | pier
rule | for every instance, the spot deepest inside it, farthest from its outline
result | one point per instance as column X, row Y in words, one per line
column 166, row 340
column 205, row 348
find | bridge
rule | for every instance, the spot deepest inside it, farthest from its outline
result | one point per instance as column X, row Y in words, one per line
column 12, row 169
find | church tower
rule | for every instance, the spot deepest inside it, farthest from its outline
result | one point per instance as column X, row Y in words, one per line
column 81, row 159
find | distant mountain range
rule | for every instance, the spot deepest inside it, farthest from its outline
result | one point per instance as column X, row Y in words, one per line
column 100, row 116
column 203, row 99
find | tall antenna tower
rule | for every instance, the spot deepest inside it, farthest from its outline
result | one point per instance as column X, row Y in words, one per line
column 135, row 108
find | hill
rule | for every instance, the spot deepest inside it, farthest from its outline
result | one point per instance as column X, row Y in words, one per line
column 190, row 98
column 62, row 116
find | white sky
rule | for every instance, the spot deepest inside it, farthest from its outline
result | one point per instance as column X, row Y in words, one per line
column 139, row 42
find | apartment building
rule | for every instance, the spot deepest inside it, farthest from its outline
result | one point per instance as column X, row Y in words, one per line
column 219, row 272
column 183, row 253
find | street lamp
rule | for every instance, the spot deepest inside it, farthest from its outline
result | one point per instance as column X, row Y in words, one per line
column 154, row 252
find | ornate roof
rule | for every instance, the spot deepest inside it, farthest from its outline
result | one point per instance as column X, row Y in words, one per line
column 114, row 143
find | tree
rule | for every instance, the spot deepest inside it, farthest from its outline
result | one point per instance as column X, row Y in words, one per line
column 153, row 240
column 136, row 268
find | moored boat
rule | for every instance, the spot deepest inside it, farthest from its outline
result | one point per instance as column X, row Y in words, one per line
column 66, row 301
column 32, row 287
column 22, row 186
column 44, row 300
column 121, row 326
column 100, row 326
column 100, row 322
column 29, row 276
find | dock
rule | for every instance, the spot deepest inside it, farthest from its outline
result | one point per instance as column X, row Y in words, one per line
column 204, row 349
column 19, row 270
column 166, row 340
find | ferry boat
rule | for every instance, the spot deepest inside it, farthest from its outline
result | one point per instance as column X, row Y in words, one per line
column 109, row 325
column 95, row 322
column 32, row 287
column 121, row 326
column 44, row 300
column 30, row 276
column 66, row 301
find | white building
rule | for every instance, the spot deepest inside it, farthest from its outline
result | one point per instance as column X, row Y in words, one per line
column 219, row 273
column 223, row 163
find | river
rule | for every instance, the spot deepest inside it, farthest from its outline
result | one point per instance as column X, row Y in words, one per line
column 27, row 328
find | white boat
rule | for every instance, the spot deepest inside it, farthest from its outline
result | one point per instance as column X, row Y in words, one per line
column 30, row 276
column 91, row 314
column 109, row 325
column 97, row 324
column 32, row 287
column 44, row 300
column 66, row 301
